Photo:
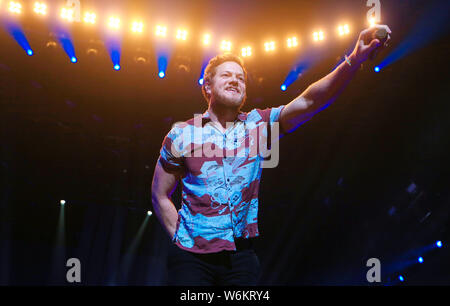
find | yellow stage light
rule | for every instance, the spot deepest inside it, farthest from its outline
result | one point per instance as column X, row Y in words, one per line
column 67, row 14
column 246, row 51
column 114, row 23
column 343, row 30
column 372, row 21
column 206, row 39
column 90, row 18
column 269, row 46
column 137, row 27
column 318, row 36
column 40, row 8
column 225, row 46
column 15, row 7
column 292, row 42
column 181, row 34
column 161, row 31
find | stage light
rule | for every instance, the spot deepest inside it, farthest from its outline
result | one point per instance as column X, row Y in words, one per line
column 292, row 42
column 200, row 81
column 225, row 46
column 114, row 23
column 439, row 244
column 137, row 27
column 161, row 31
column 15, row 7
column 67, row 14
column 149, row 213
column 181, row 34
column 283, row 87
column 161, row 74
column 269, row 46
column 377, row 69
column 318, row 36
column 40, row 8
column 30, row 52
column 372, row 21
column 343, row 30
column 116, row 67
column 401, row 278
column 246, row 51
column 62, row 202
column 420, row 259
column 90, row 17
column 73, row 59
column 206, row 39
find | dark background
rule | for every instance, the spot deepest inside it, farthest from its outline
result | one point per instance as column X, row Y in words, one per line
column 366, row 178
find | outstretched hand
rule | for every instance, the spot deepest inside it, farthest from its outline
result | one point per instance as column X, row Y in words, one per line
column 367, row 43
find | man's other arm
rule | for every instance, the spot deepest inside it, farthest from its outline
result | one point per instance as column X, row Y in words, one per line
column 163, row 185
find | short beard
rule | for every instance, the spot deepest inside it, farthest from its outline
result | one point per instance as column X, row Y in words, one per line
column 226, row 103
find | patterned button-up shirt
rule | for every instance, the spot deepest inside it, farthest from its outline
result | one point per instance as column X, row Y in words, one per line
column 220, row 173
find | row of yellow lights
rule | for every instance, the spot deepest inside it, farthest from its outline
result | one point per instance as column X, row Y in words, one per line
column 161, row 31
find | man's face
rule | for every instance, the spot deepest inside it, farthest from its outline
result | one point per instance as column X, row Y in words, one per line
column 227, row 87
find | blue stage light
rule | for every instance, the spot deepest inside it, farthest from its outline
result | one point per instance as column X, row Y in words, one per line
column 73, row 59
column 401, row 278
column 283, row 87
column 200, row 81
column 377, row 69
column 30, row 52
column 439, row 244
column 161, row 74
column 420, row 259
column 116, row 67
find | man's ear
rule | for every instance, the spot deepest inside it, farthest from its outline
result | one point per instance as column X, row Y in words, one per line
column 207, row 89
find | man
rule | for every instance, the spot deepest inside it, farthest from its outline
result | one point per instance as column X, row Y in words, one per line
column 213, row 230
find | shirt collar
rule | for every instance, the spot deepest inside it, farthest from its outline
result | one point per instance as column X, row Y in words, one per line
column 206, row 117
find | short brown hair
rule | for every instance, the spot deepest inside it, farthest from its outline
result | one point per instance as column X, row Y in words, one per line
column 210, row 70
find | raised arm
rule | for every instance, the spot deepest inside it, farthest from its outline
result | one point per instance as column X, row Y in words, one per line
column 163, row 185
column 323, row 92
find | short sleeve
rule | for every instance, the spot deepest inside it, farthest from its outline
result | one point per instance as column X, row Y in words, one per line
column 170, row 157
column 272, row 116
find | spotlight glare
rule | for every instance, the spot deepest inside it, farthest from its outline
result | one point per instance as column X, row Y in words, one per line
column 40, row 8
column 137, row 27
column 161, row 31
column 343, row 30
column 90, row 18
column 30, row 52
column 114, row 23
column 149, row 213
column 283, row 87
column 206, row 39
column 200, row 81
column 161, row 74
column 420, row 259
column 269, row 46
column 116, row 67
column 73, row 59
column 318, row 36
column 15, row 7
column 246, row 51
column 439, row 244
column 377, row 69
column 225, row 46
column 62, row 202
column 292, row 42
column 67, row 14
column 372, row 21
column 181, row 34
column 401, row 278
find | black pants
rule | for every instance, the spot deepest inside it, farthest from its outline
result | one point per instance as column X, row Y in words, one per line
column 226, row 268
